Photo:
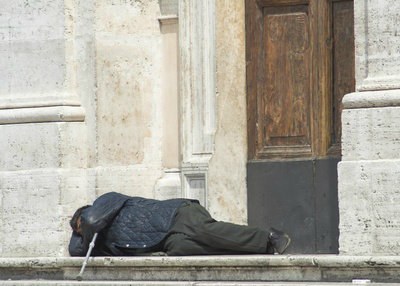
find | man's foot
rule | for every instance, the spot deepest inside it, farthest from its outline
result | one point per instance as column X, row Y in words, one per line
column 279, row 240
column 270, row 248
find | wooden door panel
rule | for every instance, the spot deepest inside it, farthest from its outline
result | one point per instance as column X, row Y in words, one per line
column 343, row 61
column 279, row 78
column 300, row 64
column 287, row 78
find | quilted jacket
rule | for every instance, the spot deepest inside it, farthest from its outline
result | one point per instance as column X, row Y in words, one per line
column 126, row 225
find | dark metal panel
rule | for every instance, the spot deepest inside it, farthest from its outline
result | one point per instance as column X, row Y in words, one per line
column 327, row 210
column 298, row 197
column 280, row 194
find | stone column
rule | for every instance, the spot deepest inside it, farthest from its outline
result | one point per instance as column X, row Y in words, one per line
column 46, row 74
column 169, row 186
column 369, row 174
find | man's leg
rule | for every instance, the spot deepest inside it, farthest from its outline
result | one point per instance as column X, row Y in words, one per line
column 195, row 221
column 182, row 244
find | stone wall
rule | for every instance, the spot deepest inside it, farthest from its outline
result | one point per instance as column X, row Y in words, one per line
column 92, row 101
column 227, row 175
column 128, row 103
column 80, row 113
column 213, row 104
column 369, row 174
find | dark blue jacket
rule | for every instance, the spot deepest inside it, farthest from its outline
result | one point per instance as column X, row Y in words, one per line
column 126, row 225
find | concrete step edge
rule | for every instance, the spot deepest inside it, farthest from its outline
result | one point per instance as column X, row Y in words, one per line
column 179, row 283
column 317, row 261
column 296, row 268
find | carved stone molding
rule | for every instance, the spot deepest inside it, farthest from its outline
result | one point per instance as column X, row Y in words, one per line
column 37, row 108
column 197, row 91
column 197, row 51
column 42, row 114
column 168, row 19
column 25, row 100
column 372, row 99
column 194, row 183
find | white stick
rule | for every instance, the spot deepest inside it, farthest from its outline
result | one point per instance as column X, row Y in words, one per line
column 91, row 245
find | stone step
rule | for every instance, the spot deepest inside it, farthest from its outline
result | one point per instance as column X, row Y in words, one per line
column 196, row 269
column 168, row 283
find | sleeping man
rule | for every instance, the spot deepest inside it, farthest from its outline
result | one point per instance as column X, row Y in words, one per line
column 136, row 226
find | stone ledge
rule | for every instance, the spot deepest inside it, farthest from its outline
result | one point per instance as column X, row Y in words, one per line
column 42, row 114
column 186, row 283
column 372, row 99
column 300, row 268
column 32, row 100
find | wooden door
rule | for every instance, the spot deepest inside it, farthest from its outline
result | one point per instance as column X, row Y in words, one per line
column 300, row 64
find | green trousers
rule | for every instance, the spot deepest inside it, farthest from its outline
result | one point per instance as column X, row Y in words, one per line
column 195, row 232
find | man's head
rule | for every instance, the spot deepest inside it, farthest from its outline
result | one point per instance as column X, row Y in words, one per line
column 75, row 221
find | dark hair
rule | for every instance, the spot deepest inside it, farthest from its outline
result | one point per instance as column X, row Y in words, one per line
column 74, row 220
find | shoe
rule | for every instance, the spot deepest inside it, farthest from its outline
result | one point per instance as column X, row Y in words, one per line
column 270, row 248
column 279, row 240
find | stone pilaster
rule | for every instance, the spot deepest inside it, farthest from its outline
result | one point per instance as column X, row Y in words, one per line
column 369, row 174
column 197, row 93
column 169, row 186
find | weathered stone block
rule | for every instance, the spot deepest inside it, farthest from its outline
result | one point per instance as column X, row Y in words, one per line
column 122, row 17
column 30, row 213
column 46, row 145
column 36, row 207
column 33, row 55
column 371, row 133
column 128, row 64
column 126, row 114
column 129, row 180
column 368, row 204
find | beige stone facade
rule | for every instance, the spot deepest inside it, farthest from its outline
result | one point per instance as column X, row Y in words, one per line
column 148, row 98
column 118, row 95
